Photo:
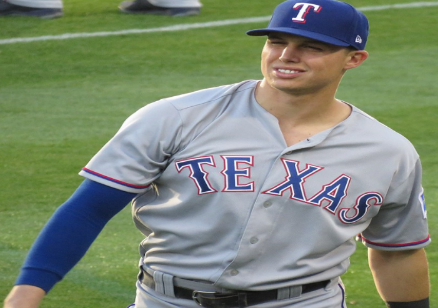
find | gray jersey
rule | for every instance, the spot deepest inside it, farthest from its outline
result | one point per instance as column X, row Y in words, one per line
column 222, row 197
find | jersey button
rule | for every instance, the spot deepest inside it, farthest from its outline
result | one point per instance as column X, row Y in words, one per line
column 253, row 240
column 267, row 204
column 234, row 272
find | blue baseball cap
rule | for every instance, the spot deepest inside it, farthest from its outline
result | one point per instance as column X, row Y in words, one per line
column 330, row 21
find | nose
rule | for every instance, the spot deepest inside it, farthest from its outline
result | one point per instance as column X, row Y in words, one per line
column 289, row 54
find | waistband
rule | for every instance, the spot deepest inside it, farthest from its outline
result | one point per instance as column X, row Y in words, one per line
column 207, row 295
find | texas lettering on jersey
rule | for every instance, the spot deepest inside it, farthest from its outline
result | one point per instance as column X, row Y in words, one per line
column 236, row 167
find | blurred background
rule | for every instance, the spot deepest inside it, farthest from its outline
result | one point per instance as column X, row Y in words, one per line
column 64, row 91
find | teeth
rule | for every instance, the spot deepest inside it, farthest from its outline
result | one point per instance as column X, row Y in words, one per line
column 287, row 71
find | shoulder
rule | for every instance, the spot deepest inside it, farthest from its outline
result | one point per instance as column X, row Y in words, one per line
column 208, row 99
column 184, row 116
column 379, row 146
column 373, row 130
column 210, row 95
column 379, row 143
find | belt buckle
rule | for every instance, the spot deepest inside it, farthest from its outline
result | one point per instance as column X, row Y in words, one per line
column 220, row 300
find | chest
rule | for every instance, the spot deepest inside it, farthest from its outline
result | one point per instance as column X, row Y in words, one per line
column 311, row 177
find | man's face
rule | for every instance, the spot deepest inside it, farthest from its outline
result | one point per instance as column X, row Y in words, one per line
column 298, row 65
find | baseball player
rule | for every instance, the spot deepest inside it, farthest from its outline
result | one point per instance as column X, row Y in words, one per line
column 45, row 9
column 251, row 194
column 174, row 8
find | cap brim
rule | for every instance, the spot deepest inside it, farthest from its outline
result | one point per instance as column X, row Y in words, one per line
column 308, row 34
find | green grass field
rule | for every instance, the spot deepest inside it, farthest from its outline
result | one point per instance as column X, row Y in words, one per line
column 61, row 100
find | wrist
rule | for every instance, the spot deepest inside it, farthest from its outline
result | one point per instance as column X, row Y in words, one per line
column 24, row 296
column 424, row 303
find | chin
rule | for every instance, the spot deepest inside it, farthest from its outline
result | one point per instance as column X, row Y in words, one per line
column 284, row 86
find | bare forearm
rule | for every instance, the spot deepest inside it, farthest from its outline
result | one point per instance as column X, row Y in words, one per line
column 400, row 276
column 24, row 296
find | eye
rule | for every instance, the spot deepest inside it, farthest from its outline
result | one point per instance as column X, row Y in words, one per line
column 275, row 41
column 314, row 47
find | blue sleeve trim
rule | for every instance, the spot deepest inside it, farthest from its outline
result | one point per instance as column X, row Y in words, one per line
column 70, row 232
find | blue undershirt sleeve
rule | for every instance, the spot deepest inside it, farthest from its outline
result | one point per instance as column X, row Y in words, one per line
column 70, row 232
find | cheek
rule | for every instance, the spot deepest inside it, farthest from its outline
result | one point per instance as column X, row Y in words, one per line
column 329, row 66
column 264, row 62
column 268, row 57
column 264, row 55
column 336, row 64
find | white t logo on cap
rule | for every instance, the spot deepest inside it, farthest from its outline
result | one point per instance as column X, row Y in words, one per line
column 305, row 8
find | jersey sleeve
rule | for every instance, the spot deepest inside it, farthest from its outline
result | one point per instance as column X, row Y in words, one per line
column 401, row 223
column 139, row 151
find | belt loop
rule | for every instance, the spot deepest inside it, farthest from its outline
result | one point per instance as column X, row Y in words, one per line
column 289, row 292
column 295, row 291
column 283, row 293
column 164, row 283
column 169, row 289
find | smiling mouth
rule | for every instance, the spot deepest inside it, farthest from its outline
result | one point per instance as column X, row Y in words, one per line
column 285, row 71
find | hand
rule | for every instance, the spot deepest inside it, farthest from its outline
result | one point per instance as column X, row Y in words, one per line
column 24, row 296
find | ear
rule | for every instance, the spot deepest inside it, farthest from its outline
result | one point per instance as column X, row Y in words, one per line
column 355, row 58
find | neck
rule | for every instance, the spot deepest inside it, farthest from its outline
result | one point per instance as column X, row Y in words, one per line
column 301, row 116
column 296, row 106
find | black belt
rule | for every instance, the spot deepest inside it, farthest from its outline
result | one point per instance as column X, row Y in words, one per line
column 228, row 300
